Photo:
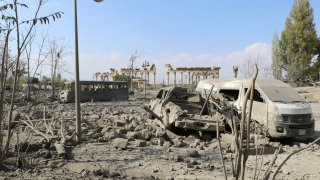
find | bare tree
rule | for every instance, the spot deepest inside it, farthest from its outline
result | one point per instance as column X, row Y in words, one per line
column 57, row 50
column 249, row 62
column 13, row 23
column 40, row 58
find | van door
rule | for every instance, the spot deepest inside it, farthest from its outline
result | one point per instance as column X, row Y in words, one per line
column 259, row 108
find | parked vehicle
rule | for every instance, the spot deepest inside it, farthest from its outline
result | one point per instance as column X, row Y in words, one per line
column 278, row 108
column 95, row 91
column 176, row 107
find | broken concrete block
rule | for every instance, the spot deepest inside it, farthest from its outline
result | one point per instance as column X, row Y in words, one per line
column 121, row 131
column 145, row 134
column 132, row 135
column 140, row 143
column 120, row 143
column 177, row 142
column 195, row 144
column 113, row 134
column 227, row 138
column 157, row 141
column 105, row 129
column 120, row 123
column 207, row 166
column 191, row 138
column 94, row 117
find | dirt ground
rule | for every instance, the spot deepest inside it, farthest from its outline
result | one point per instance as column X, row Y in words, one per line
column 120, row 142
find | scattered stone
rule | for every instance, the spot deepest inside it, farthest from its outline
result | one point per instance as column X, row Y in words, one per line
column 207, row 166
column 120, row 143
column 193, row 153
column 175, row 157
column 140, row 143
column 195, row 144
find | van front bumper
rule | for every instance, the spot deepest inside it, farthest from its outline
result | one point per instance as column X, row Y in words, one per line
column 288, row 130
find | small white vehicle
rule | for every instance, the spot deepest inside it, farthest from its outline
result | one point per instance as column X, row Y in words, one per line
column 282, row 111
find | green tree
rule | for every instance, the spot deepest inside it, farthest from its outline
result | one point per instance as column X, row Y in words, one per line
column 122, row 78
column 298, row 42
column 276, row 58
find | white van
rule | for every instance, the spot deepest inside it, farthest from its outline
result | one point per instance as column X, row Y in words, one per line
column 276, row 106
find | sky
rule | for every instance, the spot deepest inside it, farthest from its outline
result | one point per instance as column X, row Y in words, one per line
column 184, row 33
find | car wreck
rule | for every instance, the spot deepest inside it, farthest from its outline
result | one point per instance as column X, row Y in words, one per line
column 176, row 107
column 277, row 108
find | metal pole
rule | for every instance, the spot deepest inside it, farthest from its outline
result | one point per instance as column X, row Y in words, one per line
column 145, row 83
column 77, row 83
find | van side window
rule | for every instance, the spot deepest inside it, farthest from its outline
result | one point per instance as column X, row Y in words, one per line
column 159, row 95
column 230, row 94
column 256, row 95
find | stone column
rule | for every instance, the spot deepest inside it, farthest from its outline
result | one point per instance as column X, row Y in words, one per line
column 148, row 76
column 181, row 77
column 189, row 78
column 141, row 75
column 168, row 78
column 174, row 77
column 154, row 78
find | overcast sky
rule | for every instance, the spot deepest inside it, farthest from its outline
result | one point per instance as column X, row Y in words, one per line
column 184, row 33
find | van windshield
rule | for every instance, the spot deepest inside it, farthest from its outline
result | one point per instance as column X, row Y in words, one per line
column 282, row 94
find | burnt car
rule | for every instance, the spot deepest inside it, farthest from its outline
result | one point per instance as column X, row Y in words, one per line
column 176, row 107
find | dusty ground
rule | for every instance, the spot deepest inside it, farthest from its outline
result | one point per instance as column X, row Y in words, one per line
column 120, row 142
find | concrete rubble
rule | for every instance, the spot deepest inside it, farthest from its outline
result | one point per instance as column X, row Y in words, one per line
column 120, row 141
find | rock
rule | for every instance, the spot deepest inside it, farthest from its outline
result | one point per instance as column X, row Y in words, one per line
column 156, row 141
column 140, row 143
column 175, row 157
column 113, row 134
column 193, row 153
column 132, row 135
column 115, row 112
column 207, row 166
column 114, row 174
column 303, row 145
column 166, row 144
column 94, row 117
column 215, row 145
column 140, row 127
column 177, row 142
column 120, row 143
column 121, row 131
column 193, row 162
column 120, row 123
column 145, row 134
column 227, row 138
column 106, row 129
column 195, row 144
column 191, row 138
column 262, row 142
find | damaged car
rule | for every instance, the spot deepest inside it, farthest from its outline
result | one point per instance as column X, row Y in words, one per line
column 277, row 108
column 176, row 107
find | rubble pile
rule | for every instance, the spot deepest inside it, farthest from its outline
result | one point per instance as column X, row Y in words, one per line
column 119, row 140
